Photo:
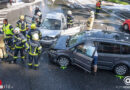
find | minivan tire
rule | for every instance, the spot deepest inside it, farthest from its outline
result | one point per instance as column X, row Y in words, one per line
column 121, row 69
column 63, row 61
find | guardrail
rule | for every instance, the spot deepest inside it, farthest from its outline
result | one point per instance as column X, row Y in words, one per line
column 4, row 1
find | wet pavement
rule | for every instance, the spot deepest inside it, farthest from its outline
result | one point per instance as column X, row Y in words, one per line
column 51, row 77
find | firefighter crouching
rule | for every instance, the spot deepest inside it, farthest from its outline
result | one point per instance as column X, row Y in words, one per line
column 22, row 24
column 90, row 21
column 20, row 45
column 69, row 19
column 34, row 47
column 7, row 29
column 98, row 7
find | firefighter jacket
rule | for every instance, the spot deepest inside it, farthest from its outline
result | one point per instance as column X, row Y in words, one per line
column 22, row 25
column 98, row 5
column 32, row 32
column 8, row 30
column 69, row 19
column 20, row 41
column 90, row 22
column 34, row 48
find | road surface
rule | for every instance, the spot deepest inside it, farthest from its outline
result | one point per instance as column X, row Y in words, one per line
column 51, row 77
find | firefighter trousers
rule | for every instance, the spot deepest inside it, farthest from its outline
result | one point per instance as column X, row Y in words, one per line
column 16, row 51
column 35, row 59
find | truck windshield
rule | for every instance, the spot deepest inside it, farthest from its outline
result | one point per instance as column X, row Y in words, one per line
column 76, row 38
column 51, row 24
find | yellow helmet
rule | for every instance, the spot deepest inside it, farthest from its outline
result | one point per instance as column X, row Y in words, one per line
column 22, row 17
column 33, row 26
column 69, row 12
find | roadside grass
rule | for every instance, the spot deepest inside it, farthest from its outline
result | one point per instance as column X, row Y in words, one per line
column 119, row 2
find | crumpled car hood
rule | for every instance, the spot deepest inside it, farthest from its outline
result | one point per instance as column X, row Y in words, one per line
column 50, row 33
column 61, row 43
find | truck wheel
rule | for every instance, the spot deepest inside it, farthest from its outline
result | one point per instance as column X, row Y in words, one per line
column 121, row 69
column 63, row 61
column 126, row 27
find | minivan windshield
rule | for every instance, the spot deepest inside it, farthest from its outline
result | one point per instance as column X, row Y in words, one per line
column 51, row 24
column 76, row 38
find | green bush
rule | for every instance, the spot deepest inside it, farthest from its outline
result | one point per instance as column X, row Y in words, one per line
column 118, row 1
column 124, row 3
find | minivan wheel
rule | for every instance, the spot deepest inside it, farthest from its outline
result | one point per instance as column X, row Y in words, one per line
column 121, row 69
column 63, row 61
column 126, row 27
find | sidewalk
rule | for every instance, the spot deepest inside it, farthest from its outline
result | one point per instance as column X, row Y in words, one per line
column 13, row 12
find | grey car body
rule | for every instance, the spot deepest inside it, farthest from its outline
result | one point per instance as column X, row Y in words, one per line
column 112, row 47
column 51, row 28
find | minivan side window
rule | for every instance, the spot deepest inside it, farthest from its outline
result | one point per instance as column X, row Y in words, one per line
column 105, row 47
column 87, row 50
column 125, row 49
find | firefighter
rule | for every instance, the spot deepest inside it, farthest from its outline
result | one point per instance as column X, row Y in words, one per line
column 32, row 31
column 34, row 47
column 37, row 16
column 39, row 19
column 98, row 7
column 69, row 19
column 37, row 9
column 7, row 29
column 90, row 20
column 22, row 24
column 20, row 45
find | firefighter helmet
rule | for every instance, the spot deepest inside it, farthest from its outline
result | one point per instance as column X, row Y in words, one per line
column 69, row 12
column 33, row 26
column 35, row 37
column 37, row 7
column 17, row 30
column 22, row 17
column 92, row 12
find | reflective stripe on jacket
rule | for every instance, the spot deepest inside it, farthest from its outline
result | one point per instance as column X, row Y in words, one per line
column 7, row 30
column 35, row 48
column 22, row 26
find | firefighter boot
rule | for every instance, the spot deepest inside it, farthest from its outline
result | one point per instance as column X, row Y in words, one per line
column 36, row 68
column 15, row 61
column 22, row 61
column 30, row 66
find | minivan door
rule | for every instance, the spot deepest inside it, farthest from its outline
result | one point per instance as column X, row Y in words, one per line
column 108, row 52
column 83, row 56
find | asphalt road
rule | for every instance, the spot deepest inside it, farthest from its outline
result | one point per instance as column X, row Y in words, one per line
column 51, row 77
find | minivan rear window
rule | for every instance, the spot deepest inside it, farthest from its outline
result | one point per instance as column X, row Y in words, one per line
column 104, row 47
column 125, row 49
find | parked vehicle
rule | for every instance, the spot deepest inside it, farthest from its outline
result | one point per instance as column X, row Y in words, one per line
column 53, row 26
column 126, row 25
column 113, row 51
